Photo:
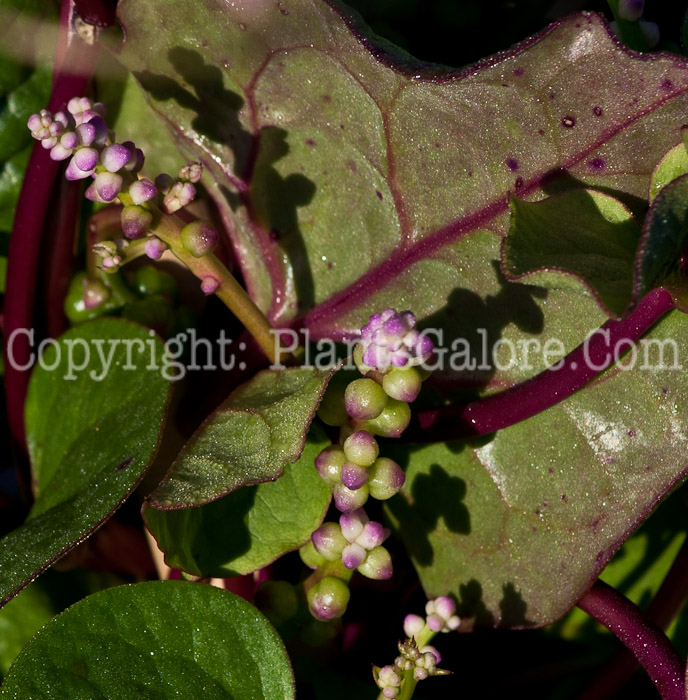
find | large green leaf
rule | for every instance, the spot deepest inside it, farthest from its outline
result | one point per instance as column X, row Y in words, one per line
column 249, row 528
column 153, row 641
column 249, row 439
column 91, row 434
column 519, row 526
column 349, row 175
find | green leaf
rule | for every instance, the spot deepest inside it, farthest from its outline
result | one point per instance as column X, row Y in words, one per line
column 664, row 239
column 90, row 440
column 249, row 439
column 580, row 232
column 351, row 177
column 265, row 521
column 519, row 525
column 672, row 165
column 152, row 641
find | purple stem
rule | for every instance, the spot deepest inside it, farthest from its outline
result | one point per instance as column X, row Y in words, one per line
column 544, row 390
column 666, row 604
column 70, row 80
column 643, row 638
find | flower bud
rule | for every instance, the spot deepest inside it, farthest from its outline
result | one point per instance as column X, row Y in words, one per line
column 329, row 541
column 332, row 410
column 135, row 221
column 361, row 448
column 154, row 248
column 115, row 157
column 328, row 598
column 392, row 421
column 378, row 564
column 209, row 285
column 180, row 194
column 402, row 384
column 386, row 478
column 310, row 556
column 413, row 625
column 631, row 10
column 329, row 464
column 373, row 535
column 107, row 185
column 353, row 555
column 142, row 190
column 353, row 476
column 364, row 399
column 199, row 239
column 352, row 523
column 191, row 172
column 164, row 182
column 346, row 500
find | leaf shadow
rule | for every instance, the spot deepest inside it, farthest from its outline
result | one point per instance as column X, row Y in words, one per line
column 202, row 90
column 472, row 325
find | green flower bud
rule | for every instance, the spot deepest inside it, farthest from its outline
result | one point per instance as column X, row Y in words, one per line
column 332, row 410
column 199, row 238
column 392, row 421
column 364, row 399
column 329, row 464
column 386, row 479
column 310, row 557
column 328, row 598
column 402, row 383
column 378, row 564
column 361, row 448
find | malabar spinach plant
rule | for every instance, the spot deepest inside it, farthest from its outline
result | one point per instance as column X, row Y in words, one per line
column 349, row 336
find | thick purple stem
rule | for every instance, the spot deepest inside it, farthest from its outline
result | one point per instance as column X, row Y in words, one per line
column 667, row 603
column 643, row 638
column 71, row 80
column 546, row 389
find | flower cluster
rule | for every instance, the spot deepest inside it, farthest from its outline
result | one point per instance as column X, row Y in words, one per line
column 356, row 540
column 390, row 339
column 369, row 406
column 418, row 660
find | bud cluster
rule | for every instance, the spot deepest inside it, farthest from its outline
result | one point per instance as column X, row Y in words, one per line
column 81, row 133
column 373, row 405
column 418, row 660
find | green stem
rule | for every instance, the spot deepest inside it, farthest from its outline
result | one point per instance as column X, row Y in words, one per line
column 230, row 292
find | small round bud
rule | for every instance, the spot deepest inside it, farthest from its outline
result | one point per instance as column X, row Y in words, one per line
column 180, row 194
column 392, row 421
column 430, row 649
column 364, row 399
column 361, row 448
column 135, row 221
column 353, row 555
column 434, row 622
column 154, row 248
column 332, row 410
column 329, row 541
column 107, row 185
column 402, row 384
column 164, row 182
column 310, row 557
column 95, row 293
column 378, row 564
column 328, row 598
column 445, row 607
column 209, row 285
column 353, row 476
column 191, row 172
column 386, row 478
column 373, row 535
column 352, row 523
column 150, row 279
column 329, row 464
column 199, row 239
column 115, row 157
column 142, row 190
column 413, row 625
column 631, row 10
column 346, row 500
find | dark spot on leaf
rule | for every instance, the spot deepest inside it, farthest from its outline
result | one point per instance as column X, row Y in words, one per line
column 341, row 126
column 578, row 25
column 597, row 163
column 551, row 95
column 351, row 165
column 667, row 84
column 512, row 164
column 541, row 132
column 568, row 122
column 550, row 470
column 470, row 173
column 379, row 194
column 519, row 183
column 282, row 9
column 632, row 433
column 326, row 98
column 242, row 26
column 597, row 111
column 505, row 84
column 519, row 71
column 123, row 465
column 437, row 145
column 329, row 265
column 564, row 498
column 310, row 142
